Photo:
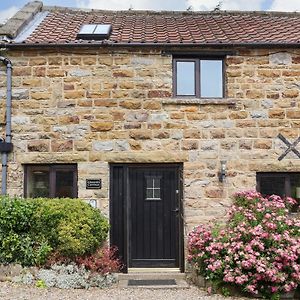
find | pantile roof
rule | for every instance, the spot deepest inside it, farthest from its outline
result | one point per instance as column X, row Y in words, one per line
column 61, row 25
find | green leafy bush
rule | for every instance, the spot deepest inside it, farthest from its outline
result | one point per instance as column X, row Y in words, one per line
column 31, row 229
column 17, row 242
column 71, row 226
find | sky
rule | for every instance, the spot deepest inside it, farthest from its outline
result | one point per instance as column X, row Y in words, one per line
column 8, row 7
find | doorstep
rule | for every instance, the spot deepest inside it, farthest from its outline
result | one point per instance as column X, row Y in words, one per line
column 153, row 278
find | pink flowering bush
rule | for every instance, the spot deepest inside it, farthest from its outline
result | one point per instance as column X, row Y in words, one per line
column 258, row 250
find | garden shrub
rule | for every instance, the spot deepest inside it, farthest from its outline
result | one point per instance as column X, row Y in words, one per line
column 104, row 261
column 258, row 250
column 31, row 229
column 17, row 242
column 71, row 226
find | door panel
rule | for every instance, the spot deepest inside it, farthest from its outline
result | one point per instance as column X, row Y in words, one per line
column 144, row 223
column 153, row 220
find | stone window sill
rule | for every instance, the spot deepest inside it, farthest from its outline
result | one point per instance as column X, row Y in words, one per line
column 202, row 101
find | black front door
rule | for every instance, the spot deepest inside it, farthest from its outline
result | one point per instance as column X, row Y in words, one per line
column 146, row 214
column 153, row 218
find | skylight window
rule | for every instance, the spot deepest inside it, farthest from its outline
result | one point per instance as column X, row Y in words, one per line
column 94, row 32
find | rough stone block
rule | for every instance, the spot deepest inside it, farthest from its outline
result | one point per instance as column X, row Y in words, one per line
column 65, row 120
column 74, row 94
column 54, row 60
column 89, row 61
column 123, row 73
column 36, row 61
column 102, row 126
column 217, row 133
column 131, row 104
column 55, row 73
column 189, row 145
column 267, row 103
column 161, row 134
column 196, row 116
column 103, row 145
column 139, row 116
column 255, row 94
column 79, row 73
column 61, row 146
column 38, row 146
column 140, row 134
column 214, row 193
column 276, row 114
column 281, row 58
column 263, row 144
column 41, row 95
column 291, row 93
column 22, row 71
column 259, row 114
column 20, row 94
column 293, row 114
column 106, row 102
column 158, row 117
column 152, row 105
column 20, row 120
column 122, row 145
column 238, row 115
column 159, row 94
column 209, row 145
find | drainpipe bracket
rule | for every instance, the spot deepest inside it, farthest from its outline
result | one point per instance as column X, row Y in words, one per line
column 6, row 147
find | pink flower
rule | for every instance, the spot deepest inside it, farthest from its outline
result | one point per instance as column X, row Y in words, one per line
column 209, row 290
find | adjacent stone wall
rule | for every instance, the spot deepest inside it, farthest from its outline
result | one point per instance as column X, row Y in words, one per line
column 94, row 107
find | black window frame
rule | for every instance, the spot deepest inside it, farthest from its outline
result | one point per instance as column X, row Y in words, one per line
column 53, row 168
column 286, row 176
column 197, row 61
column 287, row 183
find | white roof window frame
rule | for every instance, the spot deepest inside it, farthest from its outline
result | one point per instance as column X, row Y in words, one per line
column 94, row 32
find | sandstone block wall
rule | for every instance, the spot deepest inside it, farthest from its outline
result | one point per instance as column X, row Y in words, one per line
column 94, row 107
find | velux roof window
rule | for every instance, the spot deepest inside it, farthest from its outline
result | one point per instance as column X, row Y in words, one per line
column 94, row 32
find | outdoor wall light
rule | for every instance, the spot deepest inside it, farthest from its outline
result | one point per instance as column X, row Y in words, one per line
column 222, row 174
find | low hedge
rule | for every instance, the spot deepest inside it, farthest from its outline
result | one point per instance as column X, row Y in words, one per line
column 32, row 229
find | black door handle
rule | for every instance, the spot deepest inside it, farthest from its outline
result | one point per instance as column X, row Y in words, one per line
column 176, row 210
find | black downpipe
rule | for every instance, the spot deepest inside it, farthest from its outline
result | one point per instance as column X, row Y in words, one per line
column 6, row 145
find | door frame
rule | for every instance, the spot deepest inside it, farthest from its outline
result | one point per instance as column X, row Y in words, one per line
column 125, row 243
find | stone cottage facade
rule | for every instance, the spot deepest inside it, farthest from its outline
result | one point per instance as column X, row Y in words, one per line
column 99, row 112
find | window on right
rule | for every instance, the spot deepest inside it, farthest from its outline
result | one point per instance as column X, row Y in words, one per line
column 281, row 184
column 199, row 78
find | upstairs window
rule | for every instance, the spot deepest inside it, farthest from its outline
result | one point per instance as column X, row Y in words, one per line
column 51, row 181
column 200, row 78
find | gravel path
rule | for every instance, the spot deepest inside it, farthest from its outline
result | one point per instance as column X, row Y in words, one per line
column 11, row 291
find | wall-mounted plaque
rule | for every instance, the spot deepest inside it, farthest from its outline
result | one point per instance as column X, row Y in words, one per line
column 93, row 184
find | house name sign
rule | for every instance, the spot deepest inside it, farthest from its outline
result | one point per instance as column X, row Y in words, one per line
column 93, row 184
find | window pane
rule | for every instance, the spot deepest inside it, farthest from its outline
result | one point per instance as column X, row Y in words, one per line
column 157, row 193
column 64, row 184
column 149, row 193
column 152, row 188
column 211, row 78
column 272, row 185
column 149, row 183
column 38, row 182
column 185, row 78
column 156, row 182
column 295, row 186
